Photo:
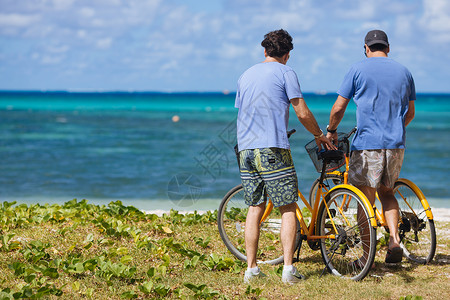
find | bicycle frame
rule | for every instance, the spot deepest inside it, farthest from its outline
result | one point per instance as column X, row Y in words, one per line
column 305, row 229
column 379, row 213
column 309, row 231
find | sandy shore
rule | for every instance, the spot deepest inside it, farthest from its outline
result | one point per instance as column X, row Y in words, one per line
column 439, row 214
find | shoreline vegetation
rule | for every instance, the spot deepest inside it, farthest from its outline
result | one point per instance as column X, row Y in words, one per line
column 79, row 250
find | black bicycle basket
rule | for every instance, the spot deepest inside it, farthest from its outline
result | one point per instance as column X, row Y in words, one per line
column 312, row 149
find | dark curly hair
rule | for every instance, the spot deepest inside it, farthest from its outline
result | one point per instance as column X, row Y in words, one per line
column 277, row 43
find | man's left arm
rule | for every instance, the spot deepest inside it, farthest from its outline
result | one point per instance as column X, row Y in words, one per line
column 410, row 113
column 412, row 97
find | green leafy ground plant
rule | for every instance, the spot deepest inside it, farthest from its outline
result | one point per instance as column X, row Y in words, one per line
column 83, row 251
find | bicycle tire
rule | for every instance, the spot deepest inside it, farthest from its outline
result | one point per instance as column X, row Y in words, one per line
column 417, row 232
column 231, row 223
column 341, row 254
column 330, row 181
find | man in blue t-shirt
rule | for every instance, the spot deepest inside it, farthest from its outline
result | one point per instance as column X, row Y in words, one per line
column 264, row 94
column 384, row 93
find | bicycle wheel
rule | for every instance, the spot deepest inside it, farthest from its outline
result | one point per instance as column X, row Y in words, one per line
column 231, row 222
column 417, row 232
column 352, row 239
column 330, row 181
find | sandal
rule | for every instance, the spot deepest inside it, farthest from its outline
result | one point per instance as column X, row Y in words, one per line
column 394, row 255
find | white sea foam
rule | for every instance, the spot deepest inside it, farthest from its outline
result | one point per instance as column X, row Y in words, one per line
column 439, row 214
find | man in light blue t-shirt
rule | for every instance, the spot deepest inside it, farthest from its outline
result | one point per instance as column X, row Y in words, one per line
column 384, row 93
column 264, row 95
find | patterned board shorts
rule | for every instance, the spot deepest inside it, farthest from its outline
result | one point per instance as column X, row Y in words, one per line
column 272, row 169
column 375, row 167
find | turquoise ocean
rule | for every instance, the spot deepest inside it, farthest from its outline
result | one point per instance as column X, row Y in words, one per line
column 170, row 150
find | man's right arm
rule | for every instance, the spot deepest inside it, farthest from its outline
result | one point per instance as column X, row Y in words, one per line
column 307, row 119
column 336, row 115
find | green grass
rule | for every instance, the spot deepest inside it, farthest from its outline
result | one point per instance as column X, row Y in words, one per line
column 79, row 250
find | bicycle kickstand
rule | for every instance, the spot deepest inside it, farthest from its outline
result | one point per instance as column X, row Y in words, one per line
column 298, row 247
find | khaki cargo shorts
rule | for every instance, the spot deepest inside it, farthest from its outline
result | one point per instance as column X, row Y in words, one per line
column 374, row 167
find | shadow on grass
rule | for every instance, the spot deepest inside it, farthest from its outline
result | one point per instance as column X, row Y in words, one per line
column 406, row 267
column 314, row 264
column 440, row 259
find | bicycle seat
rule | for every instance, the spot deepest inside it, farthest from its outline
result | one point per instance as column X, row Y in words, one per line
column 331, row 155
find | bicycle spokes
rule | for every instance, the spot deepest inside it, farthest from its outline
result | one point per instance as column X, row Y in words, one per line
column 416, row 231
column 348, row 235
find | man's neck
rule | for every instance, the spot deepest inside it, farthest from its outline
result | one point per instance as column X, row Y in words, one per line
column 377, row 54
column 282, row 60
column 272, row 59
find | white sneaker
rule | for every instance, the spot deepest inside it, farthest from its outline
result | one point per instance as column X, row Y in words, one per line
column 292, row 277
column 249, row 275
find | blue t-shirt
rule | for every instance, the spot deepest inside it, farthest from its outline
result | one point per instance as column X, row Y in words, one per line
column 263, row 98
column 381, row 89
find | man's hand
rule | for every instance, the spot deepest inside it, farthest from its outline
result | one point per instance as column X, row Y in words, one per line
column 333, row 137
column 325, row 142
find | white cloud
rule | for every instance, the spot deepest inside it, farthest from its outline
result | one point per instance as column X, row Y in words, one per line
column 18, row 20
column 360, row 10
column 256, row 53
column 404, row 26
column 317, row 65
column 298, row 21
column 62, row 4
column 437, row 14
column 231, row 51
column 51, row 60
column 87, row 12
column 81, row 33
column 171, row 65
column 58, row 49
column 181, row 36
column 436, row 20
column 99, row 22
column 104, row 43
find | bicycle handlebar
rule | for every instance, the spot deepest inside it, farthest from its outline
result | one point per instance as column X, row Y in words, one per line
column 291, row 132
column 349, row 134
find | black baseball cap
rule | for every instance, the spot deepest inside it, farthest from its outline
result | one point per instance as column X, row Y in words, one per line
column 376, row 37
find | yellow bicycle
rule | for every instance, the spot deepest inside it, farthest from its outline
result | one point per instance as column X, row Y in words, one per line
column 338, row 222
column 416, row 224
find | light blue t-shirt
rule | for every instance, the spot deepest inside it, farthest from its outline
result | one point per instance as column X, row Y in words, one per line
column 263, row 98
column 381, row 89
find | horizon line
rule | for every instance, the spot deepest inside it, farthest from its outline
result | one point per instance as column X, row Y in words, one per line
column 223, row 92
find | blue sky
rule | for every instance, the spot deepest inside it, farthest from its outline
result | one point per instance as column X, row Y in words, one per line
column 188, row 45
